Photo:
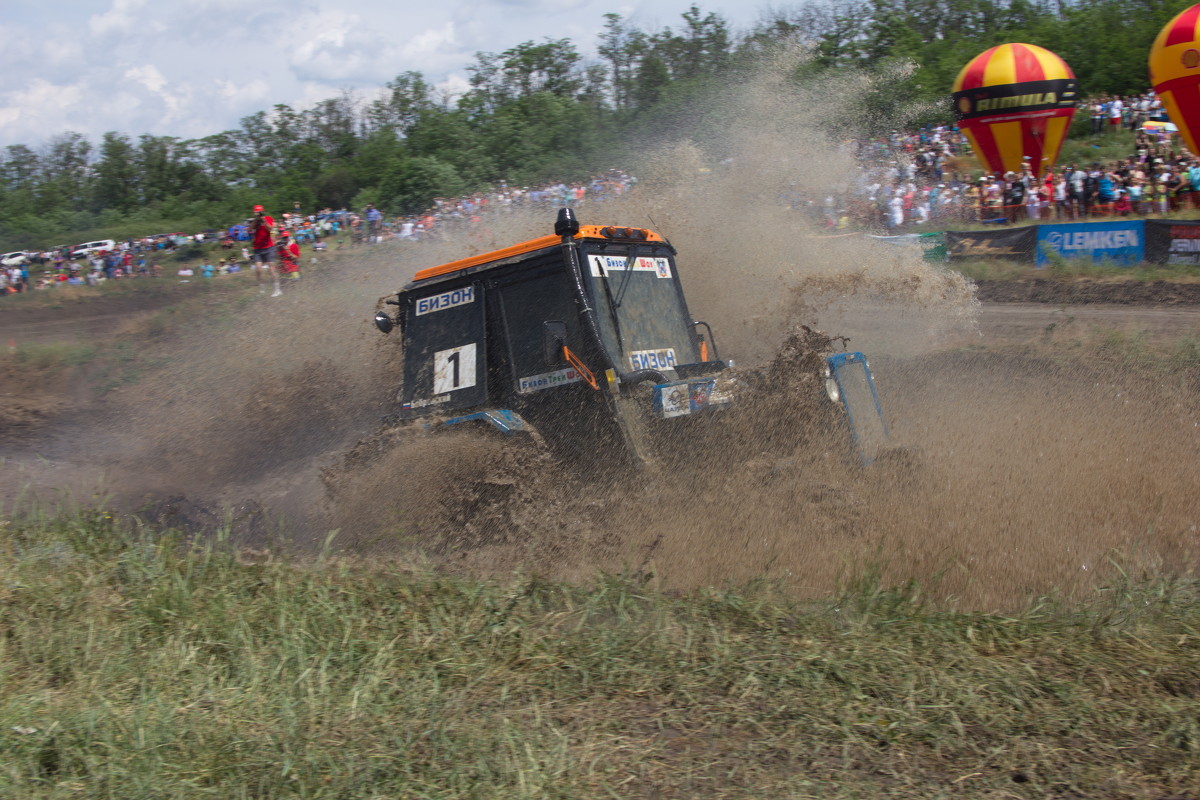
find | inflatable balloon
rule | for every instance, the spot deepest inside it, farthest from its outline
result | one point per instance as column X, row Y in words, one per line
column 1175, row 73
column 1015, row 103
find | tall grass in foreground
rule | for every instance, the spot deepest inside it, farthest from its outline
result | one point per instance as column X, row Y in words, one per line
column 134, row 664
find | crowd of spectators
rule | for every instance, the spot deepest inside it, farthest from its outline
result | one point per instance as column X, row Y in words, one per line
column 927, row 178
column 140, row 257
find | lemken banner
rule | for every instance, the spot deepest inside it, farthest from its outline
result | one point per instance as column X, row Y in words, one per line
column 1119, row 242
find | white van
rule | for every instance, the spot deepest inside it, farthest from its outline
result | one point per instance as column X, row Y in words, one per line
column 81, row 250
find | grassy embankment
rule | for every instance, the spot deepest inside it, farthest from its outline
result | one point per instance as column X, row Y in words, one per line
column 135, row 665
column 1072, row 269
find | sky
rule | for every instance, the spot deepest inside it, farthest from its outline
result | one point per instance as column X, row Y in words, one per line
column 190, row 68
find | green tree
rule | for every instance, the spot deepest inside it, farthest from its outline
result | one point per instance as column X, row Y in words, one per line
column 701, row 50
column 652, row 78
column 411, row 185
column 335, row 187
column 19, row 180
column 254, row 155
column 334, row 125
column 405, row 98
column 455, row 138
column 115, row 185
column 552, row 66
column 20, row 167
column 65, row 174
column 623, row 48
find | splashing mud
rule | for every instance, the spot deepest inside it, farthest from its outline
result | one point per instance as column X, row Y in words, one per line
column 1036, row 472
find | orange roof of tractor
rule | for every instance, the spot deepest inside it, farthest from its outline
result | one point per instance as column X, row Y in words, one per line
column 585, row 232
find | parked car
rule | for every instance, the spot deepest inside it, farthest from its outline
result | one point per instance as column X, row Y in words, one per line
column 87, row 248
column 168, row 237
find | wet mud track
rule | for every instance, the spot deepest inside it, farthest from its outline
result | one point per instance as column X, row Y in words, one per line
column 1039, row 470
column 1089, row 292
column 1019, row 322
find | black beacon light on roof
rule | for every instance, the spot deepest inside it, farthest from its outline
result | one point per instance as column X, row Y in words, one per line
column 566, row 224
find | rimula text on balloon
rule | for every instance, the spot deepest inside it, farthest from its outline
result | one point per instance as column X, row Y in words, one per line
column 1016, row 101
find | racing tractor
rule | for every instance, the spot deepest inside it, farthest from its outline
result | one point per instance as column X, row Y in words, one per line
column 583, row 340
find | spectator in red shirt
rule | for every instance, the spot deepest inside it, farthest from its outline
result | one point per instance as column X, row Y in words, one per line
column 289, row 255
column 263, row 242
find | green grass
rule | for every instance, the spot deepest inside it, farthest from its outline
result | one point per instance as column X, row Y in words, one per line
column 1180, row 356
column 168, row 284
column 1059, row 267
column 1185, row 353
column 51, row 355
column 1084, row 150
column 123, row 230
column 121, row 367
column 134, row 664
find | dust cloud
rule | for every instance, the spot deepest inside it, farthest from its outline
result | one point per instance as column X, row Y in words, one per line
column 1020, row 474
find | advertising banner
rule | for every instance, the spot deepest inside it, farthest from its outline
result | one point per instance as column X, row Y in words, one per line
column 1014, row 244
column 1173, row 241
column 1118, row 242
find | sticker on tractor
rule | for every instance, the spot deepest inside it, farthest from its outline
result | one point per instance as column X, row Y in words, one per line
column 652, row 359
column 675, row 400
column 681, row 399
column 435, row 401
column 450, row 299
column 454, row 369
column 548, row 380
column 604, row 265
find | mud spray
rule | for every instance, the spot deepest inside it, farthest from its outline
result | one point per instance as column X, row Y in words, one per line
column 1036, row 474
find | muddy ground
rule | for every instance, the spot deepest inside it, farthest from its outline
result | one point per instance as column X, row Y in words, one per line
column 1046, row 460
column 1090, row 292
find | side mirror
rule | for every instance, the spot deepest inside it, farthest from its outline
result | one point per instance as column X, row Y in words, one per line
column 384, row 322
column 554, row 336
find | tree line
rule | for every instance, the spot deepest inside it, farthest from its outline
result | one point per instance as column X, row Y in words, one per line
column 541, row 111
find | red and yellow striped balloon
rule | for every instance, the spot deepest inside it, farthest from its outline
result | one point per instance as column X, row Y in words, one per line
column 1175, row 73
column 1015, row 102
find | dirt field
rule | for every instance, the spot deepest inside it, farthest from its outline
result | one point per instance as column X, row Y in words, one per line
column 1047, row 462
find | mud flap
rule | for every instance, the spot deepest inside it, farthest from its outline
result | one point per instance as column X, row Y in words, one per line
column 856, row 391
column 631, row 418
column 502, row 419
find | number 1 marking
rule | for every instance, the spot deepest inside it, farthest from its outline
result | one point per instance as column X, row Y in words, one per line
column 454, row 369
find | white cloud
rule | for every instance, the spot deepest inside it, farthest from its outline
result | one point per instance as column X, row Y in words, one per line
column 429, row 42
column 147, row 75
column 197, row 67
column 239, row 94
column 175, row 99
column 123, row 17
column 45, row 107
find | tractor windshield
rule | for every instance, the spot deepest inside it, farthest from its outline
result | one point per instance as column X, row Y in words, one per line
column 643, row 320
